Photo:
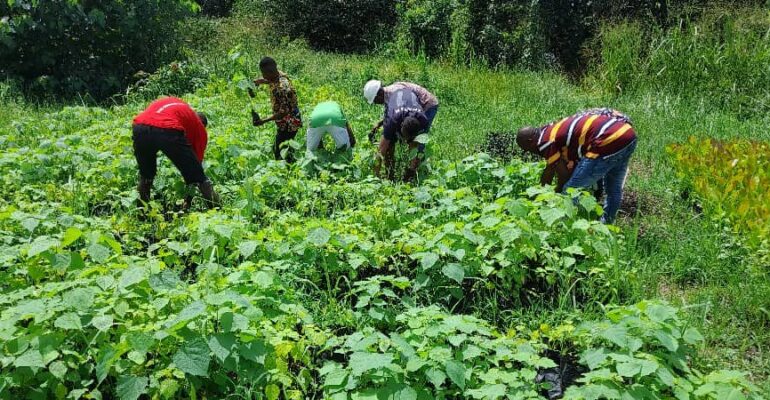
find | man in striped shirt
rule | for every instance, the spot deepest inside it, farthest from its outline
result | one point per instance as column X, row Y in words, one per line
column 583, row 149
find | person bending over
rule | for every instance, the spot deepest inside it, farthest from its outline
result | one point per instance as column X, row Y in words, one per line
column 328, row 118
column 171, row 126
column 375, row 93
column 404, row 121
column 583, row 149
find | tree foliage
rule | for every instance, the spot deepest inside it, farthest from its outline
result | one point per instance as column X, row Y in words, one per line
column 334, row 25
column 65, row 47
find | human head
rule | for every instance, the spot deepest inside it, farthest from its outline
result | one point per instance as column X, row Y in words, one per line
column 373, row 92
column 526, row 138
column 269, row 69
column 410, row 128
column 203, row 119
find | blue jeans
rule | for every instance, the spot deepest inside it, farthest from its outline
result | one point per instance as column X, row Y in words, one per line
column 612, row 170
column 430, row 114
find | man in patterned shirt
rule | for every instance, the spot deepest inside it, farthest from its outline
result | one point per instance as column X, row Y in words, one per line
column 583, row 149
column 285, row 108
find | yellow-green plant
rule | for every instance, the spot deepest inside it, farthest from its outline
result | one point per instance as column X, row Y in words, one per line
column 731, row 179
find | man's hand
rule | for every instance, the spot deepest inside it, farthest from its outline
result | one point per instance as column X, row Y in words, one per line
column 258, row 122
column 251, row 93
column 260, row 81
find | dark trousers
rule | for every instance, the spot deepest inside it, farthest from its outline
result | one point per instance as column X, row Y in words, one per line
column 282, row 137
column 149, row 140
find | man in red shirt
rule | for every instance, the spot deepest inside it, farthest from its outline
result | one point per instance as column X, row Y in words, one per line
column 583, row 149
column 171, row 126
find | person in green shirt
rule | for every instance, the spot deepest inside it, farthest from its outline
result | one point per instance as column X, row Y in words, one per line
column 328, row 118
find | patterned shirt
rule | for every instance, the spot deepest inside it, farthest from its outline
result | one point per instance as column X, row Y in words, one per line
column 401, row 105
column 590, row 134
column 284, row 100
column 426, row 98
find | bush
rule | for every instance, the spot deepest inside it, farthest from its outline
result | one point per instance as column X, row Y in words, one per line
column 731, row 179
column 216, row 8
column 92, row 48
column 334, row 25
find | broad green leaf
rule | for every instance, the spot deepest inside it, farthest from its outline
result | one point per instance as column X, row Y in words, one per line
column 58, row 369
column 79, row 298
column 428, row 260
column 190, row 312
column 455, row 272
column 415, row 363
column 98, row 253
column 361, row 362
column 168, row 388
column 40, row 245
column 221, row 345
column 551, row 215
column 131, row 387
column 319, row 236
column 70, row 236
column 234, row 322
column 660, row 313
column 193, row 357
column 272, row 392
column 140, row 341
column 164, row 281
column 131, row 276
column 692, row 336
column 337, row 377
column 456, row 373
column 102, row 322
column 594, row 358
column 616, row 334
column 30, row 358
column 68, row 321
column 668, row 341
column 436, row 377
column 255, row 350
column 401, row 392
column 247, row 248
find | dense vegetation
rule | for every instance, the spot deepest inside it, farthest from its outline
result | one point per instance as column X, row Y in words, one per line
column 70, row 48
column 319, row 281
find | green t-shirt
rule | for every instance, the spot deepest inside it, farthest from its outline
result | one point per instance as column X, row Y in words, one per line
column 328, row 113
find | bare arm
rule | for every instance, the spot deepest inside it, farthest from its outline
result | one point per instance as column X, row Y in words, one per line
column 384, row 153
column 546, row 178
column 562, row 174
column 411, row 170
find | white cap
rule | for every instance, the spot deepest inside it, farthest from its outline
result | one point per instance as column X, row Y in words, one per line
column 371, row 89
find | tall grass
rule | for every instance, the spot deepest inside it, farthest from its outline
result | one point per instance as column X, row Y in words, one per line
column 722, row 60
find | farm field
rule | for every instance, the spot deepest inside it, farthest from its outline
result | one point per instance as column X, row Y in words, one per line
column 317, row 280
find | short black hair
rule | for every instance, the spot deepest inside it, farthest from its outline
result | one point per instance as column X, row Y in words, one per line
column 203, row 118
column 526, row 136
column 411, row 127
column 267, row 63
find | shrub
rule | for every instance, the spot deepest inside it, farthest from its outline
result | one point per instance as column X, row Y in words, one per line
column 93, row 48
column 731, row 179
column 216, row 8
column 334, row 25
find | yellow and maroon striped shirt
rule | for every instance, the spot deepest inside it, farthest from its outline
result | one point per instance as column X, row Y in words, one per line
column 589, row 134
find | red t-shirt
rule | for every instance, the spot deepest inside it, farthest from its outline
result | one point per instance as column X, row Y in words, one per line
column 174, row 113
